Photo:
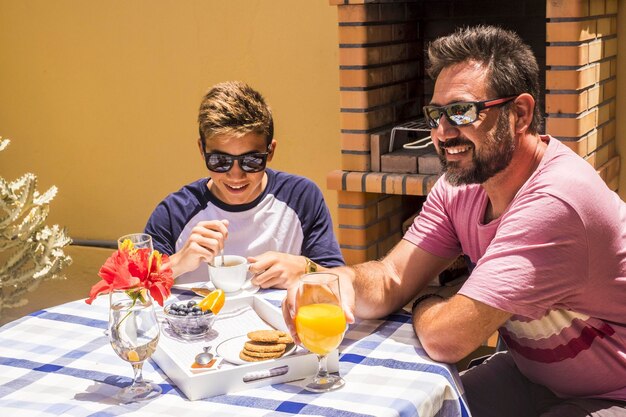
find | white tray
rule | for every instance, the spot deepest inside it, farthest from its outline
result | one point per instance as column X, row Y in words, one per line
column 174, row 355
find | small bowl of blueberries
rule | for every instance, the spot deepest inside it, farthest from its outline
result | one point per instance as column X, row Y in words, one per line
column 187, row 319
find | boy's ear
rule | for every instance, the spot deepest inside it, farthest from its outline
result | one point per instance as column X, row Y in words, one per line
column 200, row 147
column 271, row 150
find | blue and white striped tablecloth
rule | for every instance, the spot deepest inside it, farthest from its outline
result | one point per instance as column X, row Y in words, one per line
column 58, row 362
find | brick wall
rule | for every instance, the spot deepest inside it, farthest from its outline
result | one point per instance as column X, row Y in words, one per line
column 370, row 224
column 380, row 67
column 581, row 59
column 380, row 80
column 383, row 84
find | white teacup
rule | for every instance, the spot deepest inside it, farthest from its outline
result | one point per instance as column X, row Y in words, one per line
column 231, row 276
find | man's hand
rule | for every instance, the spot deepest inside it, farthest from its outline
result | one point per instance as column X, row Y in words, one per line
column 347, row 299
column 205, row 242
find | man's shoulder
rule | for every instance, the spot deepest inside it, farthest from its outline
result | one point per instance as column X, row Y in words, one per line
column 559, row 156
column 564, row 172
column 565, row 177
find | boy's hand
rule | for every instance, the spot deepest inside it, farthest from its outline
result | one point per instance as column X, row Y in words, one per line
column 205, row 242
column 276, row 269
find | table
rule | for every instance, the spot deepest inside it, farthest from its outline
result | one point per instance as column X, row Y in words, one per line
column 58, row 361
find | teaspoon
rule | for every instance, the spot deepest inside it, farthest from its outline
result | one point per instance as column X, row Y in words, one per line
column 205, row 357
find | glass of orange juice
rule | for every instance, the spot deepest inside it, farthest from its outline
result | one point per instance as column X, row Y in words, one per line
column 320, row 324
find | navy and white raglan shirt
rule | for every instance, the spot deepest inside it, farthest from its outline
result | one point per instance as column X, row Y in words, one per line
column 290, row 216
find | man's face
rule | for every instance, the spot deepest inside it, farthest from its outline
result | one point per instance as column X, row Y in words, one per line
column 237, row 186
column 473, row 153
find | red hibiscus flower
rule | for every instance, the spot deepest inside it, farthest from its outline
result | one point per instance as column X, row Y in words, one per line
column 134, row 270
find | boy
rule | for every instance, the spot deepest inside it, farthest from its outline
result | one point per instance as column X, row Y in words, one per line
column 278, row 220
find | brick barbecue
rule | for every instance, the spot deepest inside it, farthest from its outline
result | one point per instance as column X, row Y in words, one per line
column 383, row 86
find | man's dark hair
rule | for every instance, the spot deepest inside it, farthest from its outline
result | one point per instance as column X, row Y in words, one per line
column 511, row 65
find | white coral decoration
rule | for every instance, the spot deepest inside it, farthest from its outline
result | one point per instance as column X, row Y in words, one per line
column 30, row 252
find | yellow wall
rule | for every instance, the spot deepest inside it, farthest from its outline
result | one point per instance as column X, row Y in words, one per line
column 620, row 118
column 101, row 98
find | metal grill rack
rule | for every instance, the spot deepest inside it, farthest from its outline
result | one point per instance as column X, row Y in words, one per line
column 418, row 125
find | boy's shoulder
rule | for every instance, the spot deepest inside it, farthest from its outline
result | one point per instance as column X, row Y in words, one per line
column 282, row 177
column 280, row 181
column 194, row 191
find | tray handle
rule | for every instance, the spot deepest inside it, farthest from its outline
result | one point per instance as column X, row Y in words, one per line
column 266, row 373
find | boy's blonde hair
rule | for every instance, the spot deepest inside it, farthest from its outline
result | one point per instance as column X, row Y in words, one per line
column 234, row 108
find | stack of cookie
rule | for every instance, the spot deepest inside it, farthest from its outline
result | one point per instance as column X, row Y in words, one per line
column 264, row 345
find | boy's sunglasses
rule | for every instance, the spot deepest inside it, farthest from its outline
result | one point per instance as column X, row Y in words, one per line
column 461, row 113
column 223, row 162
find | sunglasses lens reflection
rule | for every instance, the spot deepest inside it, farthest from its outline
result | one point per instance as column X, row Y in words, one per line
column 219, row 162
column 431, row 115
column 462, row 113
column 458, row 114
column 253, row 163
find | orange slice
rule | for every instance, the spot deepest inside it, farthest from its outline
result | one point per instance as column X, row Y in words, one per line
column 133, row 356
column 214, row 301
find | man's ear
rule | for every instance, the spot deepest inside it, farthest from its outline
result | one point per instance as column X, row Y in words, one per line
column 524, row 108
column 271, row 150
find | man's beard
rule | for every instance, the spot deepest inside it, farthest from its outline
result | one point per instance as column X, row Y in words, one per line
column 495, row 155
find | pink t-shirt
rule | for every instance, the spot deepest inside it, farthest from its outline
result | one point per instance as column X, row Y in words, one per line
column 555, row 259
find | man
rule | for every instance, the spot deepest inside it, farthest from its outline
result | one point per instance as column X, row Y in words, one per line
column 544, row 236
column 278, row 220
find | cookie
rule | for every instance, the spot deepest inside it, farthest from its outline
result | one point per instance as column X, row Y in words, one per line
column 267, row 355
column 247, row 358
column 264, row 347
column 268, row 336
column 265, row 344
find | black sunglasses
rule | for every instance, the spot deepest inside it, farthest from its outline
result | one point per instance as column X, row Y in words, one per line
column 223, row 162
column 461, row 113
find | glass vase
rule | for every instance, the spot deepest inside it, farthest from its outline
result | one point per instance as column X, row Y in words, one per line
column 134, row 335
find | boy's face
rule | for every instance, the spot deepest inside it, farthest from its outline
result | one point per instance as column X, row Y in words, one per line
column 236, row 186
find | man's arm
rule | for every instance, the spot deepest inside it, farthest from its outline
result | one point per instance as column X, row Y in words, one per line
column 451, row 329
column 377, row 288
column 382, row 287
column 448, row 330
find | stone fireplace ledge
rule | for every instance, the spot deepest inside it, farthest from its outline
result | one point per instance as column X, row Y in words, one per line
column 380, row 182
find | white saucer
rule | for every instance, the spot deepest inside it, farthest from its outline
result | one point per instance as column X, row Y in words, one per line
column 247, row 289
column 229, row 349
